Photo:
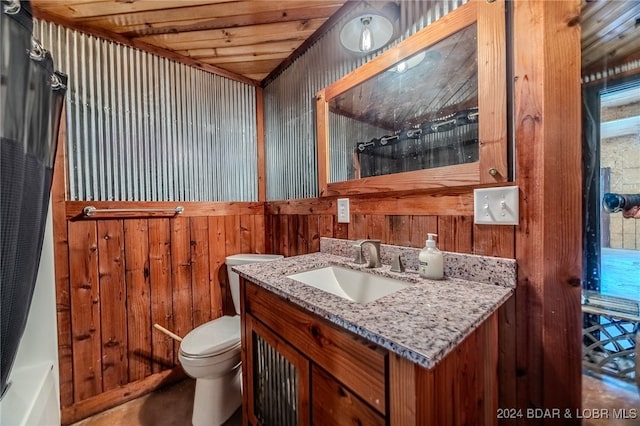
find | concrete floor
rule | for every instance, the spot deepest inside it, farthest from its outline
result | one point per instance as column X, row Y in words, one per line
column 172, row 406
column 609, row 396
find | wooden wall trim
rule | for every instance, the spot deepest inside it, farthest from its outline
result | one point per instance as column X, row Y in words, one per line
column 441, row 201
column 191, row 208
column 322, row 139
column 437, row 178
column 492, row 97
column 548, row 171
column 61, row 265
column 461, row 204
column 262, row 165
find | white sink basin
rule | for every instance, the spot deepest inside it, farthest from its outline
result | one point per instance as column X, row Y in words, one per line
column 349, row 284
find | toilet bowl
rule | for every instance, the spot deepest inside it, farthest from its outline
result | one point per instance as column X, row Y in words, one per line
column 210, row 353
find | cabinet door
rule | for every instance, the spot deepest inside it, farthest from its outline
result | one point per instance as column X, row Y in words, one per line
column 334, row 404
column 278, row 379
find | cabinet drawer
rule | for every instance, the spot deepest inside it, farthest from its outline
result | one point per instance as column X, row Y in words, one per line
column 352, row 360
column 333, row 404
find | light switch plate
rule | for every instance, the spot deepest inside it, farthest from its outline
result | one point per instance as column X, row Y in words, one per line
column 343, row 210
column 496, row 206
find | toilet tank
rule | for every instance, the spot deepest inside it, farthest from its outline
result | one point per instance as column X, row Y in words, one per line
column 243, row 259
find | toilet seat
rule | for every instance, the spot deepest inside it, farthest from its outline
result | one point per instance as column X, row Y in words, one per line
column 212, row 338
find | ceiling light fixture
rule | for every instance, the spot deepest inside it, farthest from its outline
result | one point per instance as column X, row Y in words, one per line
column 407, row 64
column 366, row 37
column 429, row 57
column 371, row 29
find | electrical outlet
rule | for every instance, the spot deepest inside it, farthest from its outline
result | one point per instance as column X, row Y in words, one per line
column 496, row 206
column 343, row 210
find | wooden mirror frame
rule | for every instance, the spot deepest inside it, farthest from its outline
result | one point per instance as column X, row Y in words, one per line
column 492, row 166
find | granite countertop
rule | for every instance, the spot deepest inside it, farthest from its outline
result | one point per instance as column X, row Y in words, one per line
column 422, row 322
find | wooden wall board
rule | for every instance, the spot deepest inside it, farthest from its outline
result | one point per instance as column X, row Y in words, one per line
column 113, row 303
column 326, row 225
column 217, row 266
column 313, row 233
column 232, row 234
column 200, row 276
column 138, row 298
column 547, row 105
column 85, row 310
column 181, row 278
column 247, row 233
column 455, row 233
column 420, row 227
column 161, row 300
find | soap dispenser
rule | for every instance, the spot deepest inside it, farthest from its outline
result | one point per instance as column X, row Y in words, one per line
column 431, row 262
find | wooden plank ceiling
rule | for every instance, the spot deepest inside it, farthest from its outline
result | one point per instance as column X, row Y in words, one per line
column 248, row 38
column 610, row 33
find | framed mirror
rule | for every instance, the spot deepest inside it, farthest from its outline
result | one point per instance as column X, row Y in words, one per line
column 427, row 113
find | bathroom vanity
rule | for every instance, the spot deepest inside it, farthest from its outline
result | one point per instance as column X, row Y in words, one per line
column 424, row 354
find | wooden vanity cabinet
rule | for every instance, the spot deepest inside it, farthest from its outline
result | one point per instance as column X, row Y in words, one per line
column 300, row 369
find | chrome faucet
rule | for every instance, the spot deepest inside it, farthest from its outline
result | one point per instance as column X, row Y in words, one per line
column 374, row 253
column 396, row 263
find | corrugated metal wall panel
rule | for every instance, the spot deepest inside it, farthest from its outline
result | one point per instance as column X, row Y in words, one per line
column 145, row 128
column 290, row 116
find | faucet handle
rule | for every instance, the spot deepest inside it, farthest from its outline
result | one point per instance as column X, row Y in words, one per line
column 359, row 257
column 396, row 263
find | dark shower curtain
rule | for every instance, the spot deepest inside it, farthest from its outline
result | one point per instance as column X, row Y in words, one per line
column 31, row 98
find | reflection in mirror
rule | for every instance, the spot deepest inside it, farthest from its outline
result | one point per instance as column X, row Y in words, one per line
column 611, row 197
column 419, row 114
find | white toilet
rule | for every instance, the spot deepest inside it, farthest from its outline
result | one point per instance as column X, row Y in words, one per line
column 210, row 354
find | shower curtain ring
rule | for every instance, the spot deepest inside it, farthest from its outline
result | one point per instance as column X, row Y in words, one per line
column 56, row 83
column 11, row 7
column 37, row 51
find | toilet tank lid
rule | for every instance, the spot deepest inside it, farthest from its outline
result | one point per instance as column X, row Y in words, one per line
column 245, row 258
column 212, row 337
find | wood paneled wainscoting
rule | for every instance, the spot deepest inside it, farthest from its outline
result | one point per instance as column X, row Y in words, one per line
column 119, row 273
column 295, row 226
